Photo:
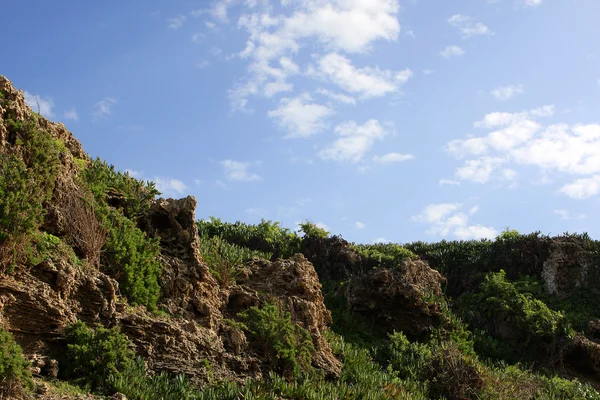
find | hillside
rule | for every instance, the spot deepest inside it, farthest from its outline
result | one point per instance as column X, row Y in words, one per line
column 109, row 290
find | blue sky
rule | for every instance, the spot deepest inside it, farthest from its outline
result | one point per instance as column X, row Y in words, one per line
column 384, row 120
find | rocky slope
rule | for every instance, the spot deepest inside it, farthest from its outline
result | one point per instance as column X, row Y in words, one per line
column 197, row 326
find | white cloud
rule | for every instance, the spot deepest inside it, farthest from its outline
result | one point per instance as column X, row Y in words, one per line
column 468, row 27
column 71, row 114
column 41, row 105
column 428, row 72
column 238, row 171
column 499, row 119
column 530, row 3
column 380, row 240
column 445, row 220
column 443, row 182
column 582, row 188
column 348, row 26
column 392, row 158
column 452, row 51
column 366, row 82
column 103, row 107
column 566, row 215
column 170, row 187
column 203, row 64
column 479, row 170
column 435, row 213
column 300, row 116
column 521, row 139
column 507, row 92
column 339, row 97
column 359, row 225
column 354, row 142
column 176, row 22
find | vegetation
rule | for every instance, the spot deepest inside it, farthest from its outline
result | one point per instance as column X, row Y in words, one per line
column 119, row 189
column 502, row 336
column 15, row 377
column 287, row 344
column 27, row 179
column 225, row 259
column 132, row 259
column 267, row 237
column 95, row 354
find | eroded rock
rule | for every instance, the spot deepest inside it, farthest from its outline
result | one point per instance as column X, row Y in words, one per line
column 398, row 299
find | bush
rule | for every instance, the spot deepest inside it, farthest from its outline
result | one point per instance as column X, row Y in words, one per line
column 409, row 360
column 500, row 302
column 266, row 237
column 224, row 259
column 83, row 227
column 95, row 354
column 14, row 370
column 285, row 343
column 118, row 189
column 45, row 246
column 313, row 231
column 381, row 255
column 453, row 375
column 136, row 383
column 132, row 259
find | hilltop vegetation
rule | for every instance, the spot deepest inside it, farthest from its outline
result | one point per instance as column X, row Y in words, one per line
column 104, row 288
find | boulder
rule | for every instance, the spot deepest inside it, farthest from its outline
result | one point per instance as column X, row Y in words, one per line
column 399, row 299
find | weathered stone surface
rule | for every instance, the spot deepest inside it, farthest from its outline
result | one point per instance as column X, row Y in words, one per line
column 397, row 298
column 295, row 284
column 38, row 302
column 569, row 266
column 37, row 307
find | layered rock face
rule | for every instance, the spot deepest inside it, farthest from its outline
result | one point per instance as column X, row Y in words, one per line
column 399, row 299
column 37, row 303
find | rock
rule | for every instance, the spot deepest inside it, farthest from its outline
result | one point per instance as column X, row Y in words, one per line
column 397, row 298
column 36, row 308
column 332, row 257
column 295, row 284
column 583, row 355
column 188, row 287
column 569, row 266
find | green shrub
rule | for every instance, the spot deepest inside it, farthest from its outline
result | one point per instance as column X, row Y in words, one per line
column 27, row 179
column 119, row 189
column 225, row 259
column 408, row 359
column 45, row 246
column 136, row 383
column 95, row 354
column 266, row 237
column 453, row 375
column 14, row 370
column 500, row 302
column 388, row 255
column 288, row 345
column 313, row 231
column 132, row 259
column 21, row 200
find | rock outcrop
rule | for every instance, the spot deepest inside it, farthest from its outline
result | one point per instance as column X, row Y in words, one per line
column 399, row 299
column 569, row 266
column 193, row 335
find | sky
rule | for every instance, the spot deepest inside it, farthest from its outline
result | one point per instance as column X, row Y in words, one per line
column 381, row 120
